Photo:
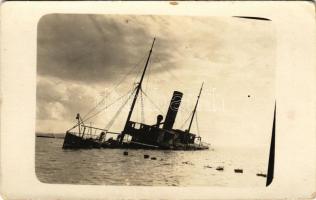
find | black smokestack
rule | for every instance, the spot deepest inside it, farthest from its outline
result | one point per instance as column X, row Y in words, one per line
column 172, row 110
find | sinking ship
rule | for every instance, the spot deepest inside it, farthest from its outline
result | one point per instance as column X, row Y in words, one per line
column 135, row 135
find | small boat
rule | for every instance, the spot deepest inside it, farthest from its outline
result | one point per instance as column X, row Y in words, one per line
column 135, row 135
column 220, row 168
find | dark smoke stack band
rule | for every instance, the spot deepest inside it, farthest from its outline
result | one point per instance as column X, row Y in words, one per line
column 172, row 110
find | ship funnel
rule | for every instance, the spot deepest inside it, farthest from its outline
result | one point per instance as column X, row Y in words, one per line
column 172, row 110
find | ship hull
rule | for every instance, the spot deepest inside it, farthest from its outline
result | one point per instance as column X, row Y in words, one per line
column 72, row 141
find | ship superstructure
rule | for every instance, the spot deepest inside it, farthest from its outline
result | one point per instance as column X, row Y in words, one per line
column 160, row 135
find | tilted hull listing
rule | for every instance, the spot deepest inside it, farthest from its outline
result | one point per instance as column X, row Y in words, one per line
column 136, row 135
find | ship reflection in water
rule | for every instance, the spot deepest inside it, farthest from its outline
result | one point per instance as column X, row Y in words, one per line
column 170, row 168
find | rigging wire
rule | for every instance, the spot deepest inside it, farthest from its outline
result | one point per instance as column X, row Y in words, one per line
column 197, row 124
column 151, row 101
column 129, row 72
column 119, row 98
column 186, row 121
column 111, row 122
column 139, row 71
column 148, row 75
column 115, row 86
column 142, row 116
column 185, row 110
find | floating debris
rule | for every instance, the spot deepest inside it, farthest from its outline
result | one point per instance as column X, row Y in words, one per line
column 125, row 153
column 238, row 171
column 166, row 164
column 219, row 168
column 146, row 156
column 153, row 158
column 187, row 163
column 262, row 175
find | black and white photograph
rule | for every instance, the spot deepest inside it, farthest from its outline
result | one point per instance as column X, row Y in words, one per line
column 154, row 100
column 157, row 100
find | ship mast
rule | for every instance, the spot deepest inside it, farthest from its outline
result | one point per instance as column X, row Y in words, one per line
column 138, row 88
column 197, row 101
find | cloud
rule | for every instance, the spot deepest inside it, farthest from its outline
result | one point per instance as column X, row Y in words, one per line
column 61, row 100
column 93, row 48
column 81, row 56
column 100, row 48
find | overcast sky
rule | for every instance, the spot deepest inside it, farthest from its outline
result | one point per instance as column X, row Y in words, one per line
column 83, row 57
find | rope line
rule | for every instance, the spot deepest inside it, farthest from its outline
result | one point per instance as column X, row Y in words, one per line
column 95, row 114
column 151, row 101
column 185, row 122
column 111, row 122
column 148, row 75
column 116, row 86
column 197, row 124
column 142, row 116
column 129, row 72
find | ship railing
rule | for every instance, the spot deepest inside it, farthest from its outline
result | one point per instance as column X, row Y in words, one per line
column 90, row 132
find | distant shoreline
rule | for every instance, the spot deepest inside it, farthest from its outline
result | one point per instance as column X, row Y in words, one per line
column 50, row 135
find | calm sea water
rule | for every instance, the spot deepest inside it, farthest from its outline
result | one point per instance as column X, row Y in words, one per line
column 172, row 168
